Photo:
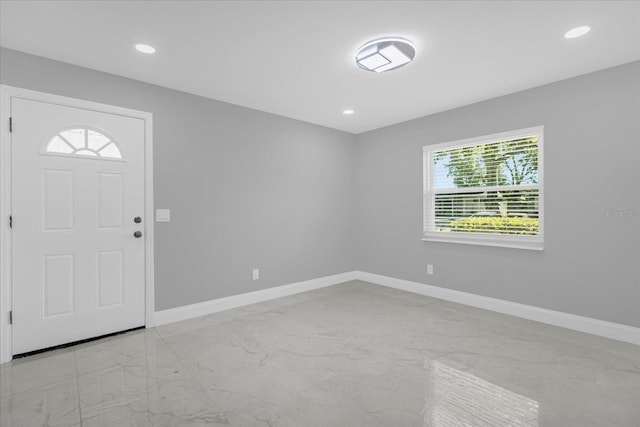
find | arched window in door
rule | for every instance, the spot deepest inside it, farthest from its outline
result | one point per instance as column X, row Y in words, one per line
column 83, row 142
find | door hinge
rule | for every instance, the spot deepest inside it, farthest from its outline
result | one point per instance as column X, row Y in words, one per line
column 10, row 221
column 11, row 317
column 10, row 124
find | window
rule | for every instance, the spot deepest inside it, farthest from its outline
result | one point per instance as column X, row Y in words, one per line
column 486, row 190
column 83, row 142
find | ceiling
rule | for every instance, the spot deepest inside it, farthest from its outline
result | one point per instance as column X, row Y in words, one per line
column 296, row 58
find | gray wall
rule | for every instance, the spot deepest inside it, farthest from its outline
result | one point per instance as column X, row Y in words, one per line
column 249, row 189
column 246, row 189
column 590, row 264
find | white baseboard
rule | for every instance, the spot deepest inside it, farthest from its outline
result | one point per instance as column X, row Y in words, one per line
column 221, row 304
column 588, row 325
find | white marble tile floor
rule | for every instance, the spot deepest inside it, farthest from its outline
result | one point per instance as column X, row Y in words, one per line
column 350, row 355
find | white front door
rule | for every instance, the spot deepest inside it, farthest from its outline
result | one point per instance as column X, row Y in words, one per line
column 77, row 189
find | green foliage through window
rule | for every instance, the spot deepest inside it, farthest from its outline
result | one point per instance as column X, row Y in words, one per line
column 499, row 225
column 512, row 162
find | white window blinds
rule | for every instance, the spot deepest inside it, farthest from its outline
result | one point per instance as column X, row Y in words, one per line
column 485, row 190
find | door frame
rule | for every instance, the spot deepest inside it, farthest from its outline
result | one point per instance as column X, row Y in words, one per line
column 6, row 94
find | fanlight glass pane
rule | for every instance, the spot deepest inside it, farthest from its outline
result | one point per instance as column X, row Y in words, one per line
column 110, row 151
column 75, row 137
column 96, row 140
column 84, row 152
column 83, row 142
column 58, row 145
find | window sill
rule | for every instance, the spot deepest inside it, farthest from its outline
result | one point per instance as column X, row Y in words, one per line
column 533, row 245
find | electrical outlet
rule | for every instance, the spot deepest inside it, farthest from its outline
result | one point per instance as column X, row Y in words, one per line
column 430, row 269
column 256, row 273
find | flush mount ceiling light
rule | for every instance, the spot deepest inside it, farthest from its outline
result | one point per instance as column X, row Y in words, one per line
column 577, row 32
column 385, row 54
column 143, row 47
column 348, row 112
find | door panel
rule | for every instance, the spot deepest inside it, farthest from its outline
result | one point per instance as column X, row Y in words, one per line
column 77, row 184
column 110, row 278
column 57, row 285
column 110, row 200
column 57, row 200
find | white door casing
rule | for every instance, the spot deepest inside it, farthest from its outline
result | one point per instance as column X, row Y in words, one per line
column 77, row 271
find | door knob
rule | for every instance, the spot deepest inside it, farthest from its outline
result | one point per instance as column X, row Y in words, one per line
column 137, row 220
column 137, row 234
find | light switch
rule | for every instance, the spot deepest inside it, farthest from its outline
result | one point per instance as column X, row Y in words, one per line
column 163, row 215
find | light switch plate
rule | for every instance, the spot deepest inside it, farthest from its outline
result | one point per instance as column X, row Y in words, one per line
column 163, row 215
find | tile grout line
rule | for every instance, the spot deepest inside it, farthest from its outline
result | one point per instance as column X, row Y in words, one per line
column 75, row 366
column 193, row 378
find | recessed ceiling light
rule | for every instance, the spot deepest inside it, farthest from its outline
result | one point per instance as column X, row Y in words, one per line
column 385, row 54
column 348, row 112
column 143, row 47
column 577, row 32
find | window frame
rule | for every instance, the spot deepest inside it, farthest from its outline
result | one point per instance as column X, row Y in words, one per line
column 510, row 241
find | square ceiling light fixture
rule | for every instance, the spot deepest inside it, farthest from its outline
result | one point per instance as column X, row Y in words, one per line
column 385, row 54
